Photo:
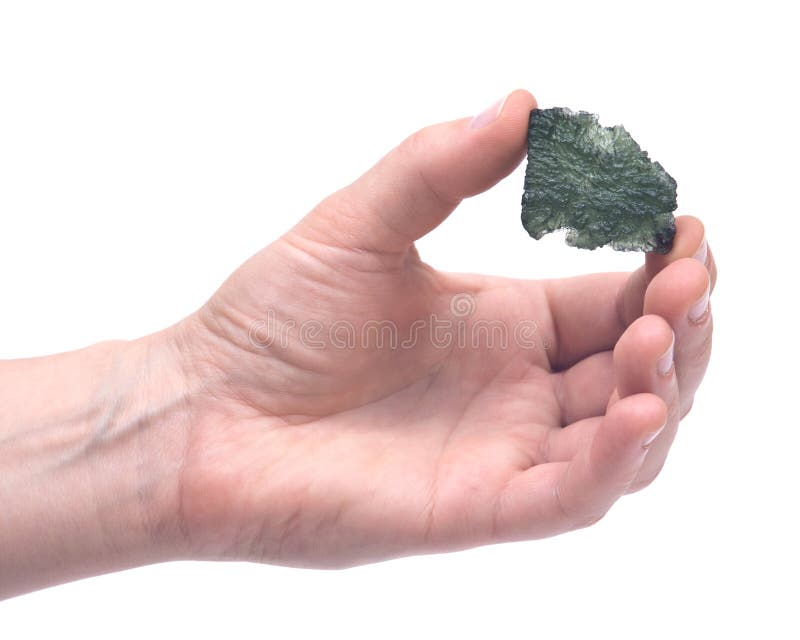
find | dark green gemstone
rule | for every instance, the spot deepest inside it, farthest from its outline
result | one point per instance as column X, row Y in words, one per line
column 597, row 183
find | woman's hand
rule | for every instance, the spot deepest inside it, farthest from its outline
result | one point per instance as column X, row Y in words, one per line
column 349, row 403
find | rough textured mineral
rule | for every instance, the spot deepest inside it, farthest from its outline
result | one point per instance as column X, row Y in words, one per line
column 597, row 183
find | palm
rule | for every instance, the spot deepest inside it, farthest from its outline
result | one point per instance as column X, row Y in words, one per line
column 440, row 433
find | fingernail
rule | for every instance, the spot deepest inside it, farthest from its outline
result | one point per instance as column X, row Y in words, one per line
column 652, row 436
column 702, row 251
column 699, row 310
column 489, row 115
column 665, row 363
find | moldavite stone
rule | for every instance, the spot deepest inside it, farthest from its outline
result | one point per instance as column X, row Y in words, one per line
column 597, row 183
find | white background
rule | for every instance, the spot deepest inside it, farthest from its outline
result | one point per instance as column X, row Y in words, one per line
column 147, row 148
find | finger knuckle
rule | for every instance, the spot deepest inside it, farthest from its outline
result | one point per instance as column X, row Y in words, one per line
column 703, row 353
column 589, row 519
column 416, row 143
column 577, row 516
column 645, row 480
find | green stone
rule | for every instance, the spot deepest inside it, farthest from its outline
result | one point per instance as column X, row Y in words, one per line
column 597, row 183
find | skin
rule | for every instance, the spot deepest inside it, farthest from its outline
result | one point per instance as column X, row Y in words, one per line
column 207, row 441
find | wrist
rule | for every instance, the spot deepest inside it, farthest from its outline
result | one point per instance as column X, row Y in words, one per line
column 156, row 425
column 91, row 446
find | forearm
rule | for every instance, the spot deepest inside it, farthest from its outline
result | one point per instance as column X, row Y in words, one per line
column 90, row 449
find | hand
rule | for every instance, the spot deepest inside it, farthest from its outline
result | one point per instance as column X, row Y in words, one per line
column 303, row 449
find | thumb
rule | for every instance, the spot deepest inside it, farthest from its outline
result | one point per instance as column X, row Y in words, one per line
column 415, row 186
